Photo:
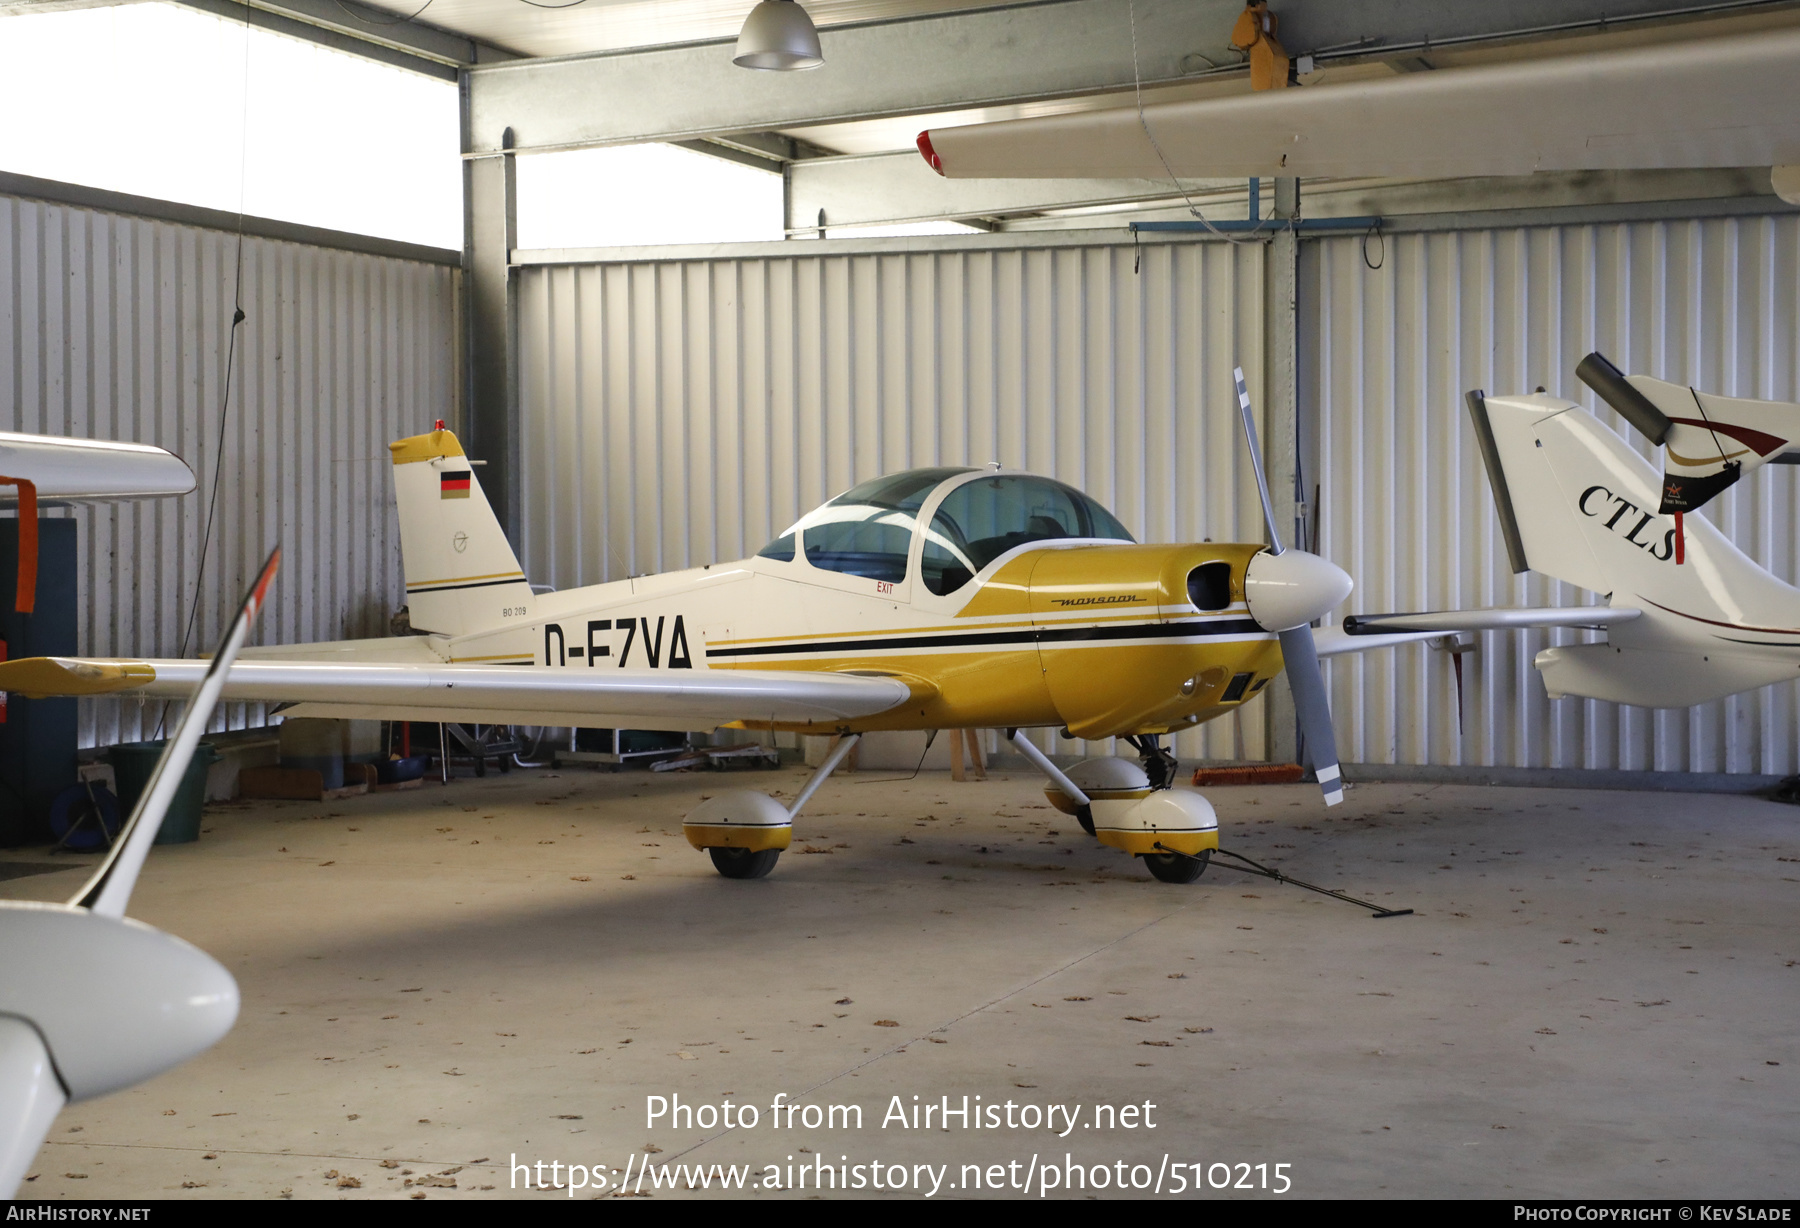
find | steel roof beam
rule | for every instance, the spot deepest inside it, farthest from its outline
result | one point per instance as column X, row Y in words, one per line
column 380, row 36
column 981, row 57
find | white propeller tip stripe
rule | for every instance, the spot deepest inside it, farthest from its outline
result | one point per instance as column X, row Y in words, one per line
column 1331, row 784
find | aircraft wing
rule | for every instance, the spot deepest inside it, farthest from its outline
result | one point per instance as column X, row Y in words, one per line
column 509, row 694
column 1446, row 622
column 1701, row 103
column 93, row 470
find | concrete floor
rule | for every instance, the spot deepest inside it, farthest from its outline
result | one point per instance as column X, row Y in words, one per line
column 1596, row 997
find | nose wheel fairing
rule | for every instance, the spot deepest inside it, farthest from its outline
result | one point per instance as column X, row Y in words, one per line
column 1130, row 815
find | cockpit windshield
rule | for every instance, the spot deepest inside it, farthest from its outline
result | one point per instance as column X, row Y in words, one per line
column 981, row 520
column 867, row 531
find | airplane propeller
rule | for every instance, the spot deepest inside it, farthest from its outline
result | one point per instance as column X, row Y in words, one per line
column 1286, row 590
column 71, row 974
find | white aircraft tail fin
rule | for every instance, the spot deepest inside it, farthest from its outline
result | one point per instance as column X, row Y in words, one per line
column 461, row 573
column 1578, row 504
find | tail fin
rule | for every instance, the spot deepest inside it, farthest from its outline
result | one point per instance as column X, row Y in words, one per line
column 1584, row 508
column 461, row 573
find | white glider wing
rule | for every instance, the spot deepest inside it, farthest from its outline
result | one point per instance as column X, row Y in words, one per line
column 1715, row 102
column 510, row 694
column 92, row 470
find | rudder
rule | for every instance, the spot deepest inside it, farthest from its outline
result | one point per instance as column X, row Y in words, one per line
column 461, row 572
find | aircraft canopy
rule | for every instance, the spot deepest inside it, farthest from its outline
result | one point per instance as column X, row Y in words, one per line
column 868, row 530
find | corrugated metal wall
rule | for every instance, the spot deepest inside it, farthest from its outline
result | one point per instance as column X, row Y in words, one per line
column 1388, row 355
column 678, row 413
column 116, row 327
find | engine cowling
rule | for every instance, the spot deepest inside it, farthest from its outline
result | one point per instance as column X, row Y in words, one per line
column 1141, row 639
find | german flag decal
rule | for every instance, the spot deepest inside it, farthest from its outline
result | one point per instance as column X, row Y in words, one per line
column 454, row 483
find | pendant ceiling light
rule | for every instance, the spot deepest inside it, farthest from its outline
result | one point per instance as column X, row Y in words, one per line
column 778, row 35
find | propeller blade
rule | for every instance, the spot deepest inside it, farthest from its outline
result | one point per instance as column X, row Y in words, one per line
column 32, row 1096
column 109, row 890
column 1318, row 741
column 1301, row 655
column 1256, row 461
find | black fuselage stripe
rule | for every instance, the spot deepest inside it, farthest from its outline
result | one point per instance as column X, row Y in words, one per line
column 982, row 639
column 445, row 588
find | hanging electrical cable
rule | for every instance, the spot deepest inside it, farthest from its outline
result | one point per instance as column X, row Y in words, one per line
column 237, row 318
column 398, row 21
column 1137, row 82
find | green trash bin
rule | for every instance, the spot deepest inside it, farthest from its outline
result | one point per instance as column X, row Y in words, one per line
column 134, row 762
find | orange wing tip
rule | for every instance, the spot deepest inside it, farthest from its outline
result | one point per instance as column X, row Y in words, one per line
column 45, row 677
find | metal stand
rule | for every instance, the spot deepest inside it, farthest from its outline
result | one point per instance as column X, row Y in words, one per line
column 615, row 757
column 479, row 743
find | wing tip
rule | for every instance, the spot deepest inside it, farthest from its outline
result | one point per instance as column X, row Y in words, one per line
column 929, row 153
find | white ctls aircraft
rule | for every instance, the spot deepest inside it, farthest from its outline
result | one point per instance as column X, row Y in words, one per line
column 92, row 1002
column 1689, row 617
column 945, row 598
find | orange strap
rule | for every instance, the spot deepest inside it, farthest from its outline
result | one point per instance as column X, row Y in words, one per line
column 26, row 598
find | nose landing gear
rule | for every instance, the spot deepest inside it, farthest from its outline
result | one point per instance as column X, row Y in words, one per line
column 1177, row 867
column 1159, row 763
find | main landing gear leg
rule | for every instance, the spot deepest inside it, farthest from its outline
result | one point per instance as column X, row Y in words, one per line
column 744, row 830
column 734, row 861
column 1159, row 763
column 845, row 745
column 1084, row 813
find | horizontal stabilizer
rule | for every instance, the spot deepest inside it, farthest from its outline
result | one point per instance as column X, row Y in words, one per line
column 1708, row 441
column 1443, row 622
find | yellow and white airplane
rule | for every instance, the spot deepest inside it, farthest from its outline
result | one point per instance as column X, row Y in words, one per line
column 942, row 598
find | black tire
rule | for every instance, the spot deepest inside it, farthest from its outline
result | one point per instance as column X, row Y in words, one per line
column 481, row 765
column 1084, row 815
column 742, row 863
column 1177, row 867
